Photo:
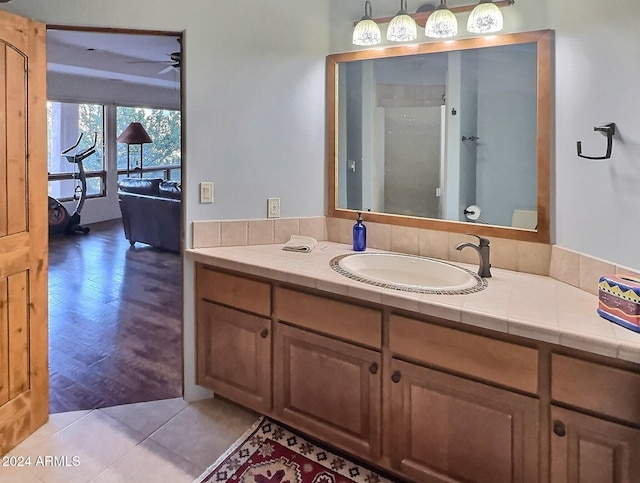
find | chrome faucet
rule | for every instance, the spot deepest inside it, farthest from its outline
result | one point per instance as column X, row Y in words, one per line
column 484, row 270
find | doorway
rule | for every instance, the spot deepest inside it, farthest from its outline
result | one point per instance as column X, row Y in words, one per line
column 115, row 311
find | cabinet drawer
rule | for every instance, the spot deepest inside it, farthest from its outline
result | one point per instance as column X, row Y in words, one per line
column 346, row 321
column 233, row 290
column 596, row 387
column 501, row 362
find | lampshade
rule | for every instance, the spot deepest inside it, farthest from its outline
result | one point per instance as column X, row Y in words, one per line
column 366, row 32
column 486, row 17
column 402, row 27
column 134, row 134
column 442, row 23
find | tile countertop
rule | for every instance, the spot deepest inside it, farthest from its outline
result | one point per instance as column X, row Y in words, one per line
column 522, row 304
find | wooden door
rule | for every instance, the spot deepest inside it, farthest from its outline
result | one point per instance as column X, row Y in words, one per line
column 24, row 397
column 234, row 354
column 586, row 449
column 328, row 388
column 447, row 428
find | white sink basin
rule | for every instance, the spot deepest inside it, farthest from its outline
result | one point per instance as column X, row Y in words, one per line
column 408, row 272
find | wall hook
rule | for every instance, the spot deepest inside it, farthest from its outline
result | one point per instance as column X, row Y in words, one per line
column 607, row 130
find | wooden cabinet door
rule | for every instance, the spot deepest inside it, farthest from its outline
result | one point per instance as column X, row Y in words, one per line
column 24, row 391
column 446, row 428
column 234, row 354
column 328, row 388
column 586, row 449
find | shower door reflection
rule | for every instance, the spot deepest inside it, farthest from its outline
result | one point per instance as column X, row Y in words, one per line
column 412, row 167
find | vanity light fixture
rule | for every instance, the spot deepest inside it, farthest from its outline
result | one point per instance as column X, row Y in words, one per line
column 485, row 18
column 402, row 27
column 366, row 32
column 442, row 23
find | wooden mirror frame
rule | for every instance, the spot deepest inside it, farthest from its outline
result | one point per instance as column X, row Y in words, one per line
column 544, row 41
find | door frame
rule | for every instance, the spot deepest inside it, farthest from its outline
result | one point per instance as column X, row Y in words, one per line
column 182, row 36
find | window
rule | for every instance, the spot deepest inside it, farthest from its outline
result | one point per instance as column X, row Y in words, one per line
column 65, row 123
column 162, row 157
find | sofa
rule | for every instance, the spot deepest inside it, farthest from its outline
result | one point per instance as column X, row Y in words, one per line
column 151, row 211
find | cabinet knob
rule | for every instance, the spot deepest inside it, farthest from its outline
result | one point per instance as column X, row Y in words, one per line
column 265, row 333
column 559, row 429
column 396, row 376
column 373, row 368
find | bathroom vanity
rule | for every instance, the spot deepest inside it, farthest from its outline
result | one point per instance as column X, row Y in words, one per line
column 428, row 387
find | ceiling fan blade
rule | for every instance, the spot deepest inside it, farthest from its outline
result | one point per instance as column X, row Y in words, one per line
column 149, row 61
column 166, row 69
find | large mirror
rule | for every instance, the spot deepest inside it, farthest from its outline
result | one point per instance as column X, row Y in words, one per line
column 444, row 134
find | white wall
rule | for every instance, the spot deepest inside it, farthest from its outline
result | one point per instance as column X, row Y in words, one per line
column 597, row 72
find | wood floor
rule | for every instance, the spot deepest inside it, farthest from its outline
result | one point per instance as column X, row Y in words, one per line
column 114, row 321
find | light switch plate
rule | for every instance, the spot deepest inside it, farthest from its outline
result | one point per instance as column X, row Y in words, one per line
column 206, row 192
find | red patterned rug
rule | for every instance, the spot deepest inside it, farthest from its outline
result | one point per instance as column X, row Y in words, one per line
column 269, row 453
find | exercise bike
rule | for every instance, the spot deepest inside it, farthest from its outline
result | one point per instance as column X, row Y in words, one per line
column 60, row 221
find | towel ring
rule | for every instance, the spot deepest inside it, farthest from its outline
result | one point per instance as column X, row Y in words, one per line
column 607, row 130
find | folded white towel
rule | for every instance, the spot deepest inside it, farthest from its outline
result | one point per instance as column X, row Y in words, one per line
column 299, row 243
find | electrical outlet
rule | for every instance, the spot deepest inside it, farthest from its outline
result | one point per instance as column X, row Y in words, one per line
column 206, row 192
column 273, row 207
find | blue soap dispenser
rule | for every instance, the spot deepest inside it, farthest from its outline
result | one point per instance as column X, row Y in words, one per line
column 359, row 235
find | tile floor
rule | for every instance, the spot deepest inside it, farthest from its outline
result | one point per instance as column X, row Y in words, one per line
column 168, row 440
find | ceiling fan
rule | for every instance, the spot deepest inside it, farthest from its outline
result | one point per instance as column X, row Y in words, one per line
column 174, row 61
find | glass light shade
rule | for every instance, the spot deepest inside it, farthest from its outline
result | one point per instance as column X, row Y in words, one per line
column 402, row 28
column 486, row 17
column 442, row 23
column 366, row 32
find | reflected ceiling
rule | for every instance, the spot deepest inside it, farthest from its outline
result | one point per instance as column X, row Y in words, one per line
column 136, row 58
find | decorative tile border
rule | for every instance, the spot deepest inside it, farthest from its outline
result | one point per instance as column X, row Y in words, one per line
column 481, row 283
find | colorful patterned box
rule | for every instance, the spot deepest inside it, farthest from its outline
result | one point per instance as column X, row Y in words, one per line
column 619, row 300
